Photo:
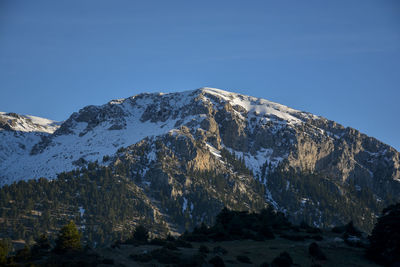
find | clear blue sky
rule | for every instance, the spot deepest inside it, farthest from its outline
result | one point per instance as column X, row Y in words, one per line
column 338, row 59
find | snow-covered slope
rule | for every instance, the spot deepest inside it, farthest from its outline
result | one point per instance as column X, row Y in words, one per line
column 18, row 134
column 260, row 107
column 95, row 132
column 203, row 130
column 257, row 130
column 27, row 123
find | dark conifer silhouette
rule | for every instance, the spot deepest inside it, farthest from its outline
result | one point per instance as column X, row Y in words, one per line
column 68, row 239
column 140, row 235
column 385, row 237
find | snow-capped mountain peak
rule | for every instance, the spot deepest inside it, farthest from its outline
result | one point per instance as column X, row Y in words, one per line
column 260, row 131
column 27, row 123
column 259, row 150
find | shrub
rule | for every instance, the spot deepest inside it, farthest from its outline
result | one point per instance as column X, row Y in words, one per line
column 309, row 229
column 170, row 237
column 224, row 217
column 197, row 238
column 108, row 261
column 42, row 244
column 244, row 259
column 316, row 252
column 283, row 260
column 217, row 261
column 293, row 237
column 204, row 249
column 41, row 247
column 170, row 246
column 235, row 226
column 349, row 229
column 165, row 256
column 23, row 254
column 158, row 242
column 182, row 243
column 218, row 233
column 196, row 260
column 220, row 250
column 352, row 230
column 267, row 232
column 304, row 225
column 145, row 257
column 140, row 235
column 317, row 237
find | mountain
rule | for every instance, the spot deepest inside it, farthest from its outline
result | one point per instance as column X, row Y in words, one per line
column 193, row 152
column 18, row 134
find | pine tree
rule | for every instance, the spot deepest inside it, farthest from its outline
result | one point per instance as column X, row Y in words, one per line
column 140, row 235
column 385, row 237
column 69, row 238
column 4, row 249
column 42, row 245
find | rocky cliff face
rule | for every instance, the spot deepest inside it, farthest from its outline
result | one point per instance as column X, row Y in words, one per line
column 207, row 148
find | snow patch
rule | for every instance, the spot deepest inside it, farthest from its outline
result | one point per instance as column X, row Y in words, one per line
column 81, row 211
column 29, row 123
column 256, row 105
column 213, row 150
column 184, row 206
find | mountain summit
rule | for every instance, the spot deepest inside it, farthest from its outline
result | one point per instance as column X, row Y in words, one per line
column 209, row 146
column 97, row 131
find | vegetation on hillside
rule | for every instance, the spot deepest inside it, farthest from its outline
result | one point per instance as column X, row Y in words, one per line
column 235, row 238
column 97, row 194
column 322, row 201
column 105, row 206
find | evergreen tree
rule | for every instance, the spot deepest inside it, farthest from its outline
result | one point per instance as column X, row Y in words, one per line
column 4, row 249
column 69, row 238
column 140, row 235
column 42, row 245
column 385, row 237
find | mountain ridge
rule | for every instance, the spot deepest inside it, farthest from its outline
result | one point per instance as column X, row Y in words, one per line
column 238, row 151
column 116, row 113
